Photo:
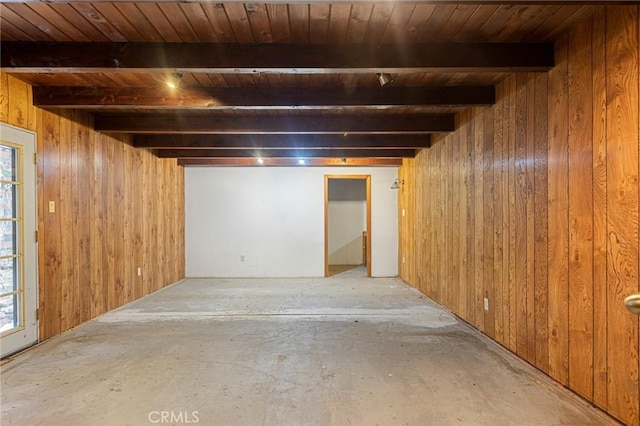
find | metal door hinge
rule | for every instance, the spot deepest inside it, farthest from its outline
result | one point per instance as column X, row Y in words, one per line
column 35, row 158
column 37, row 313
column 36, row 232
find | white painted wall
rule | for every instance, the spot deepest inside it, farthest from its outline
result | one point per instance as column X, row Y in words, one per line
column 274, row 217
column 347, row 220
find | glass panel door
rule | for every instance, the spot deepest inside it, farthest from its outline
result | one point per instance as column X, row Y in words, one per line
column 11, row 291
column 18, row 326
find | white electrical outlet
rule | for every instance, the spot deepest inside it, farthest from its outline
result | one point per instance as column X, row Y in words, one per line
column 139, row 271
column 402, row 259
column 403, row 213
column 486, row 304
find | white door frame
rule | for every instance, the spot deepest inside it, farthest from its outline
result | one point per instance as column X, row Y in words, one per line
column 26, row 334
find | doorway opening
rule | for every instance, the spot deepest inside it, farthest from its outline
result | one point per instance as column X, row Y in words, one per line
column 347, row 224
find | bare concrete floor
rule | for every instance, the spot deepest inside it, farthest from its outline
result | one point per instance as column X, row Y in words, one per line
column 337, row 351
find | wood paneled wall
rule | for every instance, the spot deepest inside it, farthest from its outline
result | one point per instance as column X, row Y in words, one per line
column 533, row 204
column 117, row 208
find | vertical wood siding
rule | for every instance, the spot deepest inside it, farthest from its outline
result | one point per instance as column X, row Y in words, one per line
column 533, row 203
column 117, row 209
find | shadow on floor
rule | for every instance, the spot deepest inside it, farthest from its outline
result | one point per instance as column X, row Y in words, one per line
column 353, row 270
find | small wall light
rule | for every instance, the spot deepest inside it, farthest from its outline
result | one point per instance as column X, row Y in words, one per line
column 397, row 183
column 384, row 78
column 301, row 162
column 260, row 160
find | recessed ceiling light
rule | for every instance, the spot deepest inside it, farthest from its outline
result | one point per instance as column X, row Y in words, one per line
column 173, row 80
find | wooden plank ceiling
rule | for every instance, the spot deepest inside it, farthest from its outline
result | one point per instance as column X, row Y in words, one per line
column 272, row 84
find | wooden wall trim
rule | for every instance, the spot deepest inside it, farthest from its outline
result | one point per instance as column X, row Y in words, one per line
column 118, row 208
column 534, row 203
column 558, row 206
column 580, row 200
column 621, row 44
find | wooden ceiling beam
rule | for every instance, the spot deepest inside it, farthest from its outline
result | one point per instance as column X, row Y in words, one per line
column 322, row 124
column 189, row 141
column 260, row 98
column 45, row 57
column 288, row 162
column 435, row 2
column 286, row 153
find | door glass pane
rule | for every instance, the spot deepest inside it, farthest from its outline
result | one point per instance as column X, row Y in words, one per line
column 9, row 275
column 8, row 234
column 11, row 291
column 8, row 200
column 8, row 169
column 9, row 312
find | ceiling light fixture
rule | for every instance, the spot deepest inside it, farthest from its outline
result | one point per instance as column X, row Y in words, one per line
column 384, row 78
column 260, row 160
column 301, row 162
column 174, row 80
column 397, row 183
